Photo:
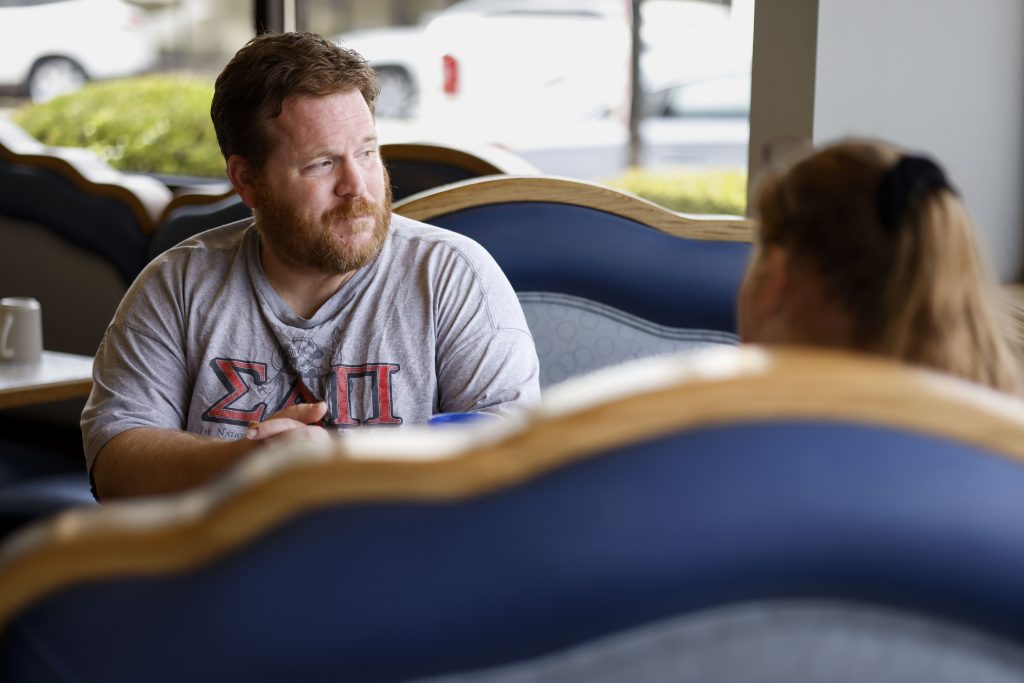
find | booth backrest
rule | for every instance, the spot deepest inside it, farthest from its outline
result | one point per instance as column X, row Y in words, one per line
column 730, row 515
column 145, row 197
column 189, row 215
column 75, row 234
column 603, row 276
column 415, row 167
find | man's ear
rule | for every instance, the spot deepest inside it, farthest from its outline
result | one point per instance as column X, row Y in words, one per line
column 240, row 173
column 775, row 277
column 762, row 301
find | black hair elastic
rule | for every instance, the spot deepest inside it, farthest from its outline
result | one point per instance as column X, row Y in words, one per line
column 911, row 177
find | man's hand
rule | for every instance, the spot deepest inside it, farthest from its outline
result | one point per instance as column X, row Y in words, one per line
column 149, row 460
column 298, row 421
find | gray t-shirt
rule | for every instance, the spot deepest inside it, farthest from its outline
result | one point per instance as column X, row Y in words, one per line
column 202, row 341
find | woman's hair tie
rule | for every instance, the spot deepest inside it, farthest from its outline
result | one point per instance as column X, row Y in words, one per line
column 910, row 178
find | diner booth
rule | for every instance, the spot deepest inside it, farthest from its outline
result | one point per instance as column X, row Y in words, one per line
column 678, row 506
column 732, row 514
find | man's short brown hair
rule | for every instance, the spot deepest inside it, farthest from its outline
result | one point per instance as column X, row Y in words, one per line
column 270, row 68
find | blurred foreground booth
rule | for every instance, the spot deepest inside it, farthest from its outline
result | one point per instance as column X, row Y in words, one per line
column 730, row 515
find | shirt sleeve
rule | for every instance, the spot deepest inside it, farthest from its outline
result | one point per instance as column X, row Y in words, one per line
column 140, row 378
column 486, row 359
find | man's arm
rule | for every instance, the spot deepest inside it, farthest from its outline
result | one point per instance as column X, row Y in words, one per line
column 486, row 359
column 151, row 460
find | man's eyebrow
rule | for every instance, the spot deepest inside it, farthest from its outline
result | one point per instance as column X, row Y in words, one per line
column 326, row 152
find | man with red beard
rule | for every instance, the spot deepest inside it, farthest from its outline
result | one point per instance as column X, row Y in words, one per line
column 324, row 312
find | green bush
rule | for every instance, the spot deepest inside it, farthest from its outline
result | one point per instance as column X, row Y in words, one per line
column 690, row 190
column 149, row 124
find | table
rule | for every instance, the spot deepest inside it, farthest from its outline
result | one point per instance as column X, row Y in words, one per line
column 56, row 376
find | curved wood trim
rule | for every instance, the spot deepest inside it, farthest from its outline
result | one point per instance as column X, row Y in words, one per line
column 716, row 388
column 478, row 160
column 201, row 196
column 466, row 194
column 146, row 197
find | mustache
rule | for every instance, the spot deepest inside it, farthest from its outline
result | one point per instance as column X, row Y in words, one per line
column 357, row 207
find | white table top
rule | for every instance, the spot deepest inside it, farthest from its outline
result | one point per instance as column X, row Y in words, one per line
column 54, row 377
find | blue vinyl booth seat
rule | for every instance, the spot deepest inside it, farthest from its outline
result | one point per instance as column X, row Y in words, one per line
column 603, row 276
column 609, row 259
column 785, row 517
column 100, row 224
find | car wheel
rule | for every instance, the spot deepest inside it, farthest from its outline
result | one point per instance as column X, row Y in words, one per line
column 397, row 93
column 54, row 76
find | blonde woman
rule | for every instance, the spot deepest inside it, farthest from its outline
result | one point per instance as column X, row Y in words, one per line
column 865, row 247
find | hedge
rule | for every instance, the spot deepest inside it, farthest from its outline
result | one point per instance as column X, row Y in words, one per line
column 150, row 124
column 690, row 190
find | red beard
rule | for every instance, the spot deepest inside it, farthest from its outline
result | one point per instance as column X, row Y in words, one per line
column 310, row 242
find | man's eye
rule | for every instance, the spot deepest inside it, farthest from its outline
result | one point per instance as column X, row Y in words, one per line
column 319, row 165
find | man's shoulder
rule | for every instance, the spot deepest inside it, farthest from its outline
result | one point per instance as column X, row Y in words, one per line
column 437, row 250
column 195, row 268
column 223, row 237
column 410, row 233
column 410, row 229
column 205, row 247
column 196, row 258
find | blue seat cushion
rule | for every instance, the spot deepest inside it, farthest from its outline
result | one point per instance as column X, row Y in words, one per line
column 595, row 255
column 394, row 590
column 102, row 225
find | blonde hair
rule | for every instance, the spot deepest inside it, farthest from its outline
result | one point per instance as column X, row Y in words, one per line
column 901, row 263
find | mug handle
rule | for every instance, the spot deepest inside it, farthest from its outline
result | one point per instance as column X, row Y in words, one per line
column 5, row 350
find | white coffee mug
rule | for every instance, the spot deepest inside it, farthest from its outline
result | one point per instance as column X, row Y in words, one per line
column 21, row 330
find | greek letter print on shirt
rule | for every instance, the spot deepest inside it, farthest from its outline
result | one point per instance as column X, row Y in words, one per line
column 249, row 391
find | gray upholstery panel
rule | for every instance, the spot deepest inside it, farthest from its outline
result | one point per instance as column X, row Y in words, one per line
column 575, row 336
column 77, row 289
column 777, row 642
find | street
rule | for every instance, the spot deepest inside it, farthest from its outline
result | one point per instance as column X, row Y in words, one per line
column 597, row 149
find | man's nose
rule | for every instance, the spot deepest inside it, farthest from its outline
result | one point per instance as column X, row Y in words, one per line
column 349, row 180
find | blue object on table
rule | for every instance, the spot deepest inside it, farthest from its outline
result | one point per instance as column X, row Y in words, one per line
column 460, row 418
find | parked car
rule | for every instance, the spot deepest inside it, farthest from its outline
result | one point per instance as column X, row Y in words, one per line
column 490, row 57
column 400, row 57
column 51, row 47
column 506, row 62
column 722, row 96
column 500, row 61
